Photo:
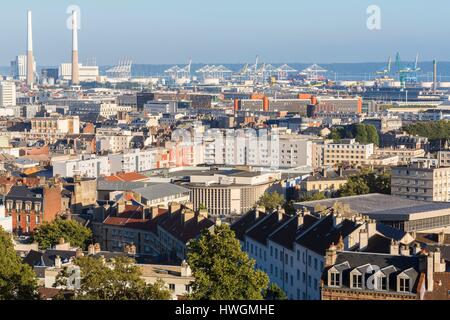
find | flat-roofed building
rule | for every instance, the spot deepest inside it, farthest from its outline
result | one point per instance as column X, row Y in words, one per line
column 348, row 151
column 404, row 155
column 421, row 181
column 227, row 192
column 404, row 214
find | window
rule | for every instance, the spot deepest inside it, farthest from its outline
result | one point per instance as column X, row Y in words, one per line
column 383, row 283
column 357, row 281
column 335, row 279
column 172, row 286
column 404, row 285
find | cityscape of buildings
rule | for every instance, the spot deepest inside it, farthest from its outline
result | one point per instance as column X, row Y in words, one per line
column 149, row 163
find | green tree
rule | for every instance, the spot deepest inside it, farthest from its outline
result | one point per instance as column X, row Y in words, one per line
column 312, row 196
column 49, row 234
column 116, row 279
column 365, row 183
column 271, row 201
column 17, row 280
column 361, row 133
column 274, row 292
column 355, row 185
column 222, row 271
column 372, row 135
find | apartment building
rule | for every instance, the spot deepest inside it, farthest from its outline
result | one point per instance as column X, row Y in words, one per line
column 135, row 160
column 443, row 158
column 292, row 249
column 86, row 165
column 7, row 94
column 348, row 151
column 30, row 207
column 421, row 181
column 258, row 148
column 55, row 125
column 389, row 276
column 404, row 155
column 113, row 139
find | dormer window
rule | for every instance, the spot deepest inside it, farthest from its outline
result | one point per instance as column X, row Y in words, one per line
column 404, row 285
column 357, row 281
column 335, row 279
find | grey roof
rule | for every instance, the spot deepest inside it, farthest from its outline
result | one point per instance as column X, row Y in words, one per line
column 104, row 185
column 381, row 207
column 160, row 190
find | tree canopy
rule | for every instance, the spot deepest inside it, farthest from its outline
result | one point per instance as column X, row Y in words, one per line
column 274, row 292
column 362, row 133
column 271, row 201
column 365, row 183
column 117, row 279
column 49, row 234
column 222, row 271
column 17, row 280
column 433, row 130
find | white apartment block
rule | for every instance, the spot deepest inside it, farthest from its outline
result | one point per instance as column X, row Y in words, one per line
column 113, row 139
column 421, row 181
column 444, row 158
column 19, row 67
column 89, row 166
column 134, row 161
column 257, row 148
column 7, row 94
column 86, row 73
column 404, row 155
column 284, row 246
column 349, row 152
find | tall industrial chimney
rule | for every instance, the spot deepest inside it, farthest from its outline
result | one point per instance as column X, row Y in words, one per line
column 434, row 76
column 75, row 66
column 30, row 57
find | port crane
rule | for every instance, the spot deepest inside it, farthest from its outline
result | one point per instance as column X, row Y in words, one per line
column 387, row 70
column 407, row 74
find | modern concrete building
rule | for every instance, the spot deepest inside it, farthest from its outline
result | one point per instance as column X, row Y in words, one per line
column 227, row 192
column 89, row 166
column 404, row 155
column 421, row 181
column 400, row 213
column 348, row 151
column 7, row 94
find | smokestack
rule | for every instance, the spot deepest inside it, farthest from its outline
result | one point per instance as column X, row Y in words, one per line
column 75, row 66
column 434, row 76
column 30, row 58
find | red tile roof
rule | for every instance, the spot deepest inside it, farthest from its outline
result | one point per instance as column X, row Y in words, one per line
column 126, row 177
column 132, row 218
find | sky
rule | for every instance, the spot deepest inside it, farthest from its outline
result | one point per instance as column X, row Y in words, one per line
column 228, row 31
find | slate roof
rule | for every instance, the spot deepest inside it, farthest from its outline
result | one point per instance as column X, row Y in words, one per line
column 413, row 266
column 380, row 206
column 245, row 223
column 261, row 231
column 319, row 237
column 286, row 235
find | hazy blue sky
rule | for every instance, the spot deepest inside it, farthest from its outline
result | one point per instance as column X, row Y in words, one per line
column 227, row 31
